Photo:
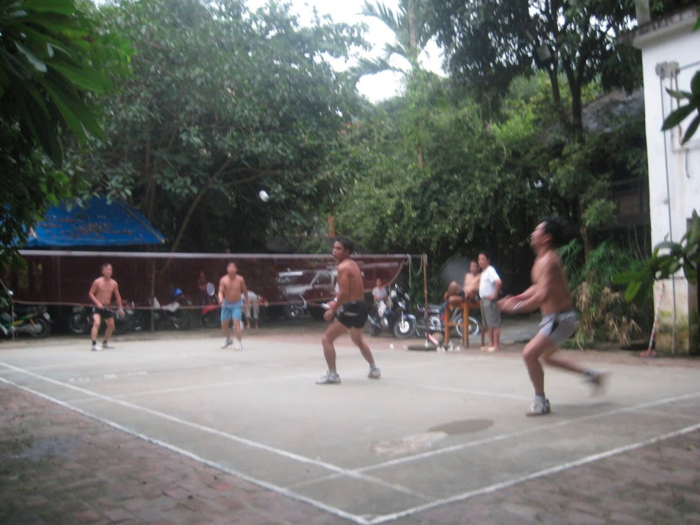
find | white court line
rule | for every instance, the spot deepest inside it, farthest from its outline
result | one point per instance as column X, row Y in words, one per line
column 253, row 444
column 192, row 388
column 269, row 486
column 481, row 393
column 520, row 433
column 542, row 473
column 390, row 381
column 659, row 413
column 357, row 472
column 513, row 435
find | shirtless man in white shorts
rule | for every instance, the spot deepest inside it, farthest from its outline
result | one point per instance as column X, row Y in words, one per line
column 550, row 293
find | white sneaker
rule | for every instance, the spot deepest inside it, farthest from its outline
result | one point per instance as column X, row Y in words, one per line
column 374, row 373
column 238, row 345
column 540, row 407
column 228, row 342
column 96, row 348
column 106, row 346
column 329, row 378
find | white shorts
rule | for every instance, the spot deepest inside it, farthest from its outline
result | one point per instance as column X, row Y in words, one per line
column 558, row 327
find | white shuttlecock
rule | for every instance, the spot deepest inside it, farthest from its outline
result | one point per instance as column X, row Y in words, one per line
column 264, row 196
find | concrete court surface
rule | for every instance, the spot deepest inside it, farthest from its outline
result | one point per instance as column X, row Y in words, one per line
column 438, row 428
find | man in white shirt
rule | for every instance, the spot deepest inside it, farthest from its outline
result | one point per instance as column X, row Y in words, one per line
column 252, row 306
column 489, row 288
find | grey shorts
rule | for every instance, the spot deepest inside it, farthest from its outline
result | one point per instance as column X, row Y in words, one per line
column 558, row 327
column 490, row 314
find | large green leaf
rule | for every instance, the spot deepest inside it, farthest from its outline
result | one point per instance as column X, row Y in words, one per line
column 50, row 6
column 692, row 128
column 678, row 116
column 38, row 64
column 679, row 95
column 76, row 115
column 83, row 78
column 52, row 55
column 13, row 66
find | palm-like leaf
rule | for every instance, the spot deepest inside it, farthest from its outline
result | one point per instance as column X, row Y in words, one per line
column 46, row 54
column 683, row 112
column 399, row 22
column 684, row 255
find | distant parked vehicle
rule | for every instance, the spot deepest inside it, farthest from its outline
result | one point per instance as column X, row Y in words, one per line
column 436, row 322
column 30, row 320
column 393, row 315
column 171, row 315
column 306, row 290
column 80, row 320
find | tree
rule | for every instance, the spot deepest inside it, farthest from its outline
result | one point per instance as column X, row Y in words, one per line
column 412, row 34
column 52, row 55
column 223, row 102
column 488, row 43
column 583, row 171
column 468, row 195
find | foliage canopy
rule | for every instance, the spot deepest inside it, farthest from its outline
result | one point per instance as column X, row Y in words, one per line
column 223, row 102
column 52, row 55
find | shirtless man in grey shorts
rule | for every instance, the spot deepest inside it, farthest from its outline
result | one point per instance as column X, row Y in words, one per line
column 348, row 311
column 550, row 293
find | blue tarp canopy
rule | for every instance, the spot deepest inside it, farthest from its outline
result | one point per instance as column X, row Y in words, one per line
column 95, row 223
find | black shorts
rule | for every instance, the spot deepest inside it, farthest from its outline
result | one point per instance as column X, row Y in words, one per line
column 353, row 314
column 106, row 314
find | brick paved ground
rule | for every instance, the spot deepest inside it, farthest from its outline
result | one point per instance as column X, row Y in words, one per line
column 59, row 467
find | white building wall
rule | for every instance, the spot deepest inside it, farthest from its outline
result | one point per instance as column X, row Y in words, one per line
column 674, row 170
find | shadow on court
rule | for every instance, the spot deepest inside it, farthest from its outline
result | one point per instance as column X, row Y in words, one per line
column 172, row 429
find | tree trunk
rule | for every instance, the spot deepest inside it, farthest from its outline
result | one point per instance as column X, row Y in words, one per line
column 151, row 186
column 413, row 50
column 193, row 206
column 574, row 78
column 412, row 40
column 584, row 233
column 556, row 95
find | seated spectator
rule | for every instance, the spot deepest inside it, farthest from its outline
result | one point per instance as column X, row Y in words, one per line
column 379, row 292
column 472, row 280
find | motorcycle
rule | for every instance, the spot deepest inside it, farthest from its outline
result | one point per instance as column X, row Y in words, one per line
column 436, row 323
column 393, row 315
column 172, row 315
column 31, row 320
column 211, row 315
column 80, row 320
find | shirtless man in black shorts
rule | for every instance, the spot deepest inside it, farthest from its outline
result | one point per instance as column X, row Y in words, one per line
column 101, row 292
column 348, row 311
